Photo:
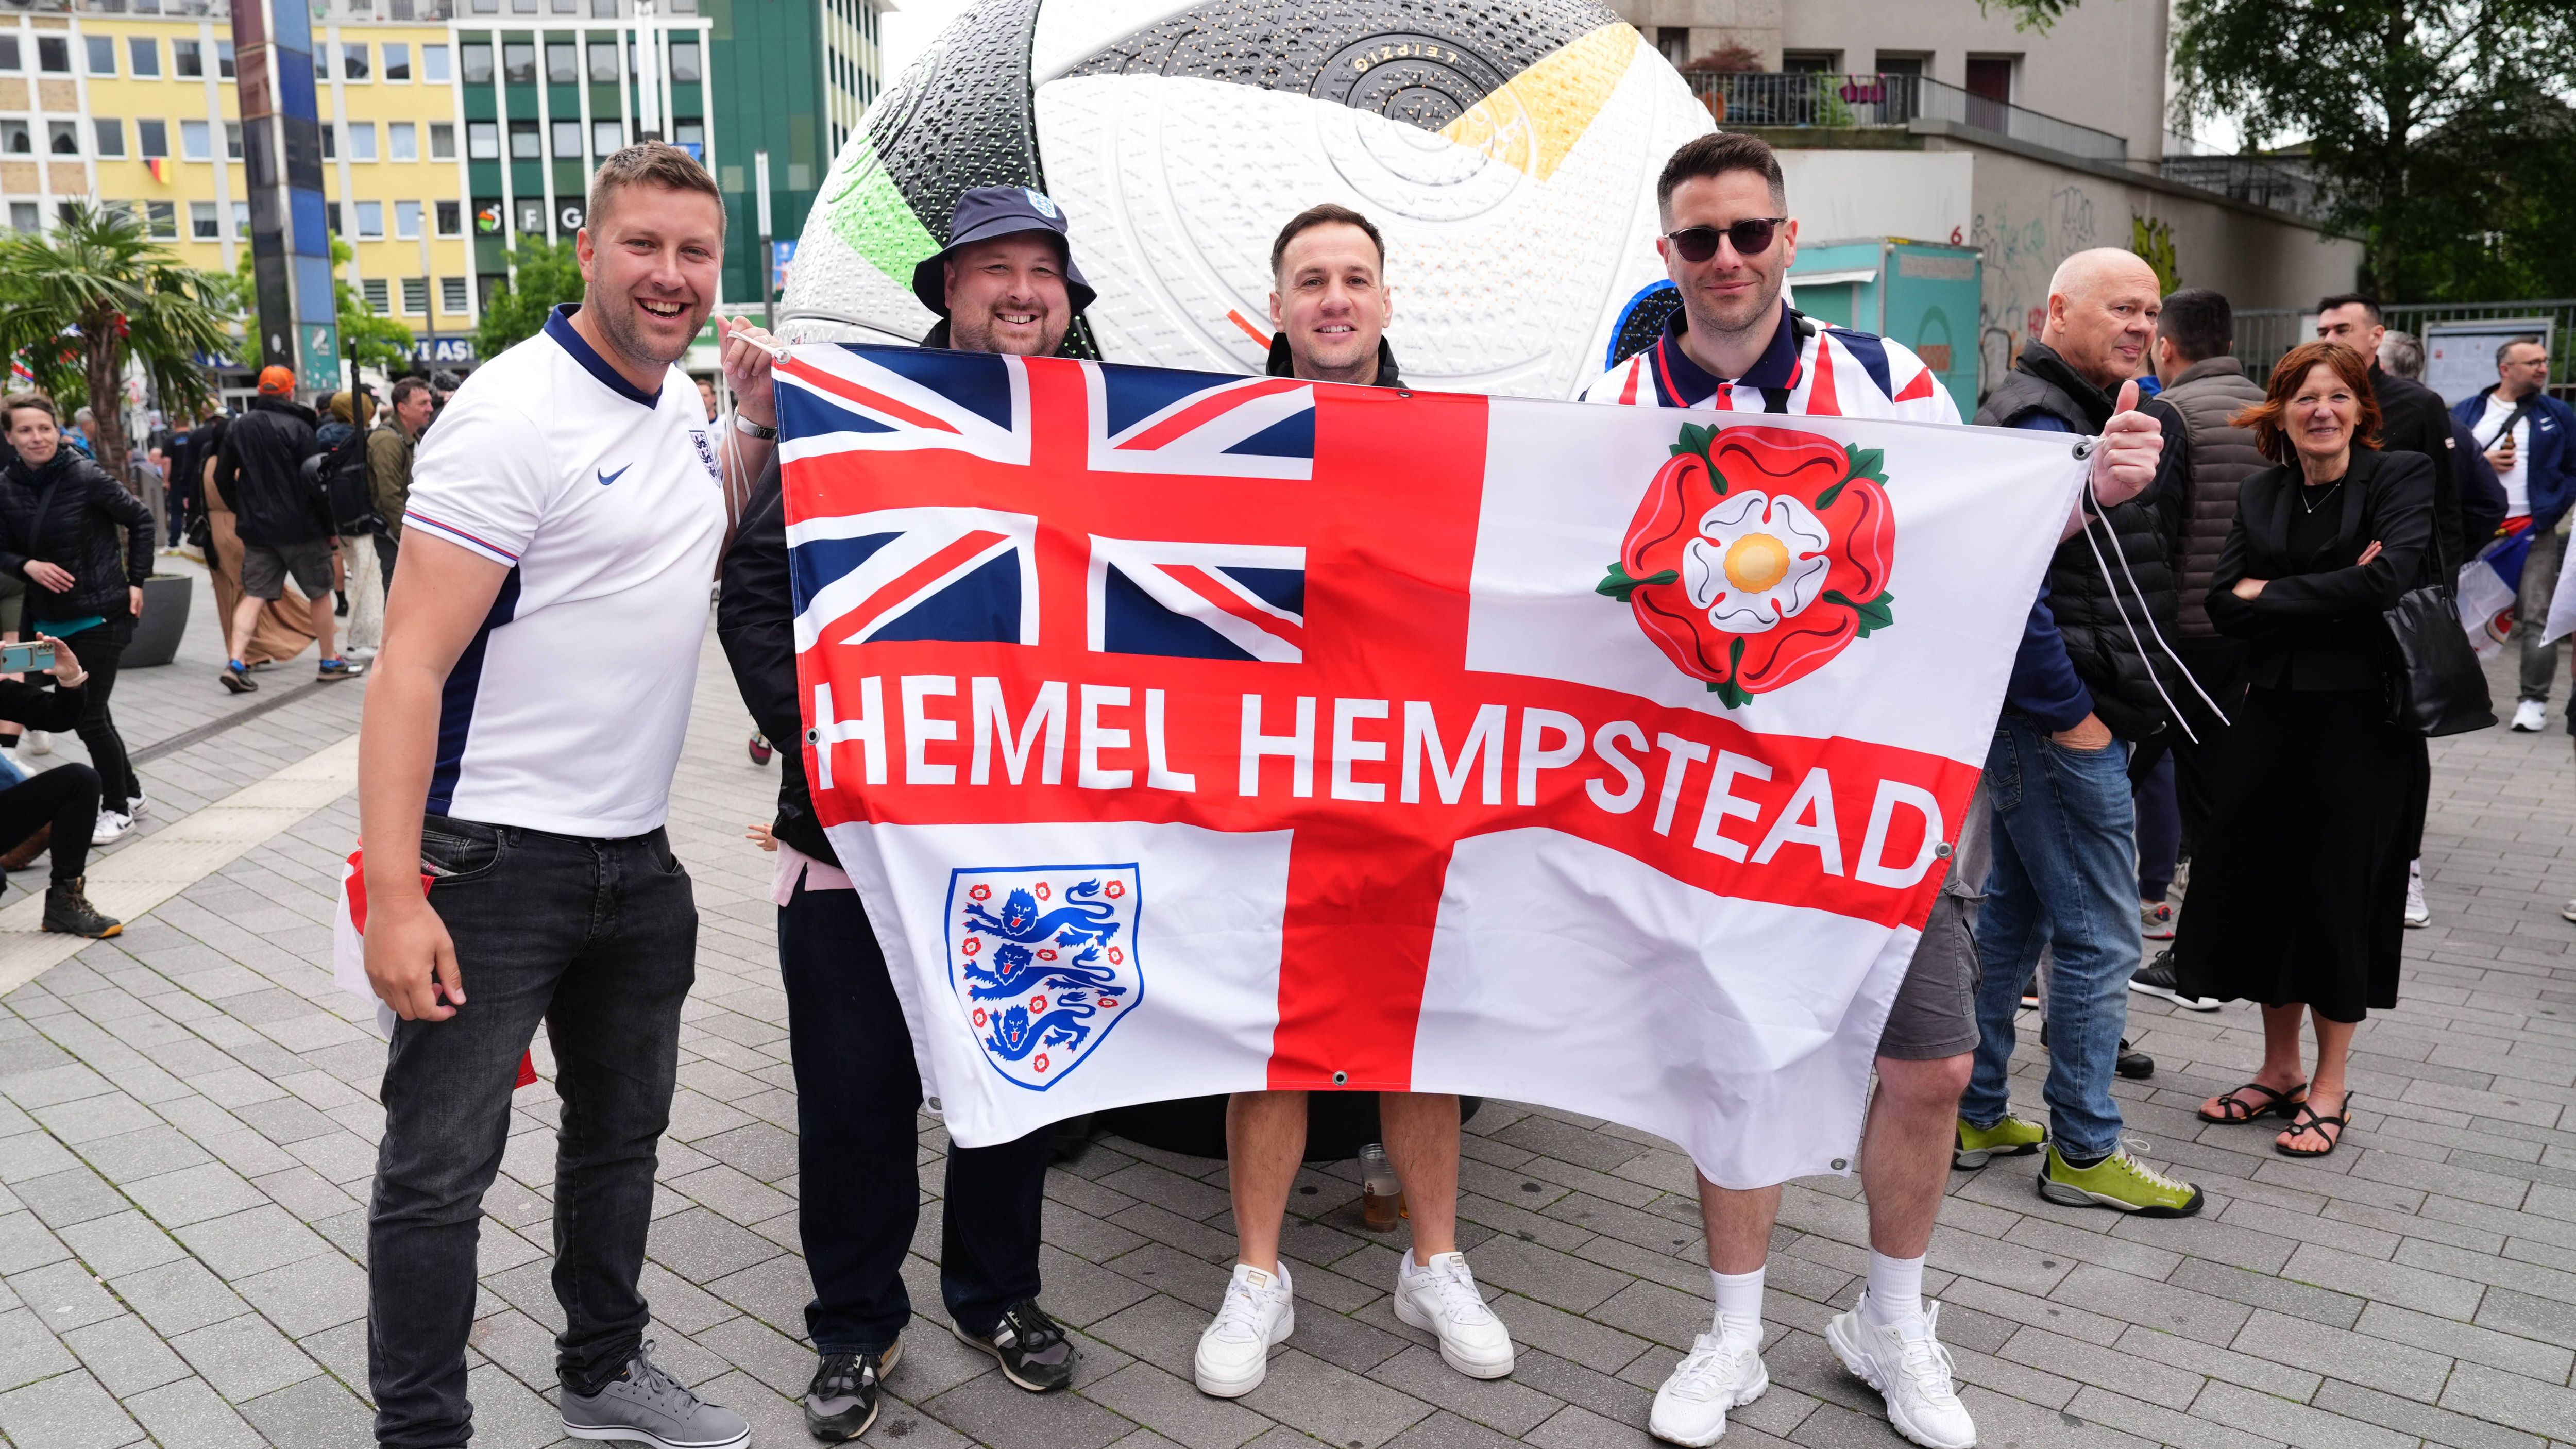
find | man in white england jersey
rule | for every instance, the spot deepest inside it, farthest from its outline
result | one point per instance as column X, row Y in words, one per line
column 562, row 531
column 1735, row 346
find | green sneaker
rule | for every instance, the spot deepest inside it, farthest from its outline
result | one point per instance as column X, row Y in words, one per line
column 2118, row 1181
column 2011, row 1137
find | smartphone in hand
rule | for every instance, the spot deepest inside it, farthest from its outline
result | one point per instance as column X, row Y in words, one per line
column 32, row 657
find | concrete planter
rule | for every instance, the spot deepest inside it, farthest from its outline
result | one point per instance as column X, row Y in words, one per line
column 165, row 618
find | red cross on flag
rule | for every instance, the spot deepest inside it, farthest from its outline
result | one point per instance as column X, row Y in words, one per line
column 1191, row 734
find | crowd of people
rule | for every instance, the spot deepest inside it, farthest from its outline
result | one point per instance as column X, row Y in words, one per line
column 2199, row 674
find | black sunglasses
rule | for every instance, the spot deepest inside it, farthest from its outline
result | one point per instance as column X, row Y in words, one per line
column 1751, row 236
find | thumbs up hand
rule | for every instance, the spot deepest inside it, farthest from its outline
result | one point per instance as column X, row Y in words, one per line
column 2124, row 462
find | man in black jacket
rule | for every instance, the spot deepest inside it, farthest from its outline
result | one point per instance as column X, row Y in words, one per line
column 285, row 526
column 1006, row 283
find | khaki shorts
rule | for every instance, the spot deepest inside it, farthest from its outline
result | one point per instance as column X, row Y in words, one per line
column 1935, row 1015
column 266, row 566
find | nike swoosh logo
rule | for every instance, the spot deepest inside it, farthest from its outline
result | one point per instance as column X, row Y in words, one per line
column 607, row 478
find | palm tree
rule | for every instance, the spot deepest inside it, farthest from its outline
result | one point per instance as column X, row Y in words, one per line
column 77, row 302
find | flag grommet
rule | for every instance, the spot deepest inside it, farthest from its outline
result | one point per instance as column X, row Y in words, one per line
column 1942, row 850
column 813, row 737
column 1340, row 1077
column 1841, row 1162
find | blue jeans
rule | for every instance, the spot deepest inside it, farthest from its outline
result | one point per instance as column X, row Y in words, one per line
column 596, row 940
column 2066, row 864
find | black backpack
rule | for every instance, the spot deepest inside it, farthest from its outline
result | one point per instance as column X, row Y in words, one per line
column 340, row 478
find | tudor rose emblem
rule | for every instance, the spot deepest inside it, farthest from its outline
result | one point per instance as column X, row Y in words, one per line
column 1043, row 961
column 1757, row 554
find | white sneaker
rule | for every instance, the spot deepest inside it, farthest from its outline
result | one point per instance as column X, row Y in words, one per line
column 1440, row 1297
column 112, row 826
column 1257, row 1316
column 1910, row 1369
column 39, row 743
column 1719, row 1374
column 139, row 806
column 2417, row 913
column 2530, row 715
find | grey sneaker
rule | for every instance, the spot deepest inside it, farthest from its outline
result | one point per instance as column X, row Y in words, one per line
column 648, row 1406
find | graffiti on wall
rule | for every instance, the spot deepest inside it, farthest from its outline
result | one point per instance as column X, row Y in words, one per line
column 2022, row 251
column 2153, row 241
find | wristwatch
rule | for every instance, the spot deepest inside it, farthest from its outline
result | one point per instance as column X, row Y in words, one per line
column 750, row 429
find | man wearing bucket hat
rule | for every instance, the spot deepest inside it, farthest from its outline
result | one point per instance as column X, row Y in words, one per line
column 1005, row 283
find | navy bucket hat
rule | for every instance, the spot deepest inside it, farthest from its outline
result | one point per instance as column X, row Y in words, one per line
column 990, row 211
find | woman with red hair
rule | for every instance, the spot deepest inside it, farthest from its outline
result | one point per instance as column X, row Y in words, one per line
column 2298, row 896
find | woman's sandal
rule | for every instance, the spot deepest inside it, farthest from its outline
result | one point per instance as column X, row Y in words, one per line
column 2281, row 1104
column 2306, row 1120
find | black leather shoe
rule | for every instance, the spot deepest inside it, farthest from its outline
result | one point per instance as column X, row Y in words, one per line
column 841, row 1402
column 1032, row 1349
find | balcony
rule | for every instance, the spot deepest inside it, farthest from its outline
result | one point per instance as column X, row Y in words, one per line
column 1801, row 98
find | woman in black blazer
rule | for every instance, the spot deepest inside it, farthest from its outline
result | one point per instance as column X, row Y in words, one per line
column 2298, row 896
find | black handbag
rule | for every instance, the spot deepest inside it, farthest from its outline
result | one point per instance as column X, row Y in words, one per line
column 2436, row 686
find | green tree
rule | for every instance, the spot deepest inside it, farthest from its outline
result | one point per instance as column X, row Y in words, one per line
column 2437, row 129
column 80, row 301
column 548, row 273
column 366, row 339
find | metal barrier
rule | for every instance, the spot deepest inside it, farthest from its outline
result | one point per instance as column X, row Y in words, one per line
column 1803, row 98
column 2264, row 333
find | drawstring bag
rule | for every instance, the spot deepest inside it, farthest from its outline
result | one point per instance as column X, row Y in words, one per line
column 2435, row 685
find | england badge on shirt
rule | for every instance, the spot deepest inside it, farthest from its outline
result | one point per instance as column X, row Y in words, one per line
column 707, row 453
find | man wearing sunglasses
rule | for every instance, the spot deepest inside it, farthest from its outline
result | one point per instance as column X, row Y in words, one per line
column 1735, row 346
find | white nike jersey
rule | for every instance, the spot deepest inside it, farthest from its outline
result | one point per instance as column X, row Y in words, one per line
column 567, row 711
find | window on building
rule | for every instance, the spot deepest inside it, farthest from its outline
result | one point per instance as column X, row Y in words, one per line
column 54, row 54
column 487, row 7
column 362, row 140
column 525, row 143
column 110, row 133
column 407, row 221
column 415, row 296
column 1674, row 42
column 152, row 138
column 241, row 219
column 1991, row 77
column 378, row 295
column 523, row 7
column 1811, row 61
column 397, row 61
column 224, row 60
column 330, row 141
column 603, row 62
column 451, row 218
column 205, row 222
column 402, row 141
column 433, row 64
column 371, row 220
column 475, row 60
column 684, row 7
column 690, row 136
column 567, row 139
column 606, row 137
column 321, row 64
column 14, row 140
column 603, row 9
column 442, row 141
column 353, row 62
column 143, row 57
column 24, row 217
column 102, row 53
column 482, row 140
column 195, row 143
column 519, row 63
column 232, row 141
column 187, row 59
column 563, row 62
column 1892, row 62
column 161, row 220
column 684, row 60
column 9, row 58
column 63, row 137
column 452, row 296
column 331, row 216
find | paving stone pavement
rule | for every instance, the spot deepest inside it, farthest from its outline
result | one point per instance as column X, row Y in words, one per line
column 187, row 1128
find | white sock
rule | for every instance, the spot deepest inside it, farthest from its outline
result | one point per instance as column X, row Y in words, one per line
column 1895, row 1289
column 1739, row 1305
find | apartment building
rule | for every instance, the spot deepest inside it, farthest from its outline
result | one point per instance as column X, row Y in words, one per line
column 451, row 128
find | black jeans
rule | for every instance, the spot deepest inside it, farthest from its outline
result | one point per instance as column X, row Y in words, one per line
column 65, row 797
column 99, row 648
column 857, row 1096
column 388, row 548
column 597, row 939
